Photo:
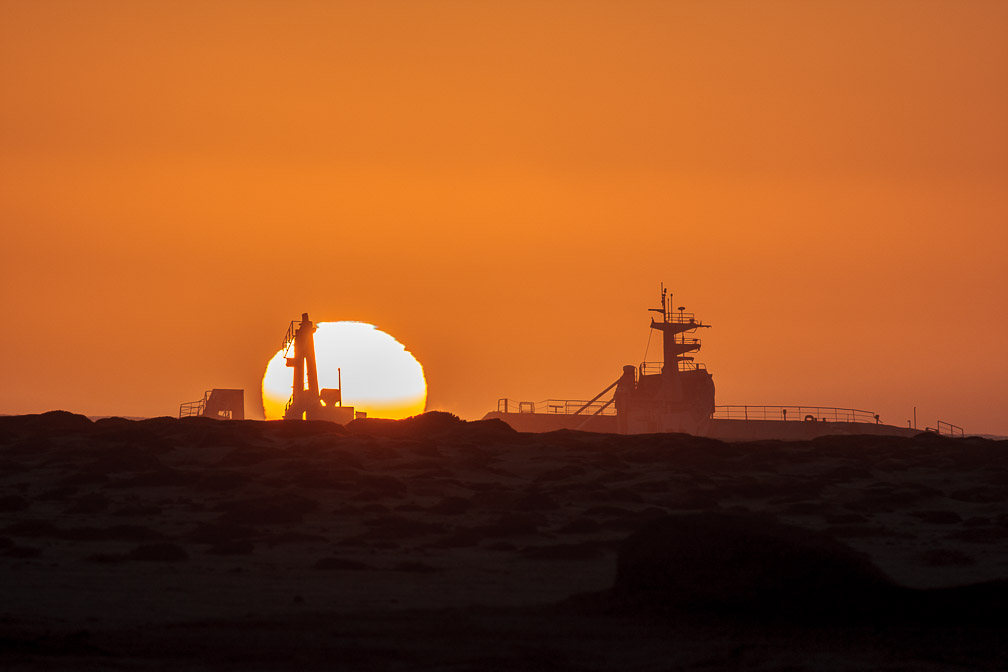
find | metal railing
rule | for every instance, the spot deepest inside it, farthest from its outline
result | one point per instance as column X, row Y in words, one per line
column 948, row 429
column 289, row 337
column 727, row 412
column 191, row 409
column 652, row 368
column 797, row 413
column 557, row 406
column 679, row 316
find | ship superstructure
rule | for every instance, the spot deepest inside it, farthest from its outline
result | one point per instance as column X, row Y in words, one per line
column 674, row 395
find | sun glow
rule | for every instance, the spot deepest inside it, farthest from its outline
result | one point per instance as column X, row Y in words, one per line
column 379, row 376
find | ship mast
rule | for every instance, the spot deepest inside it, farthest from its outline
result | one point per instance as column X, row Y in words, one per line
column 674, row 326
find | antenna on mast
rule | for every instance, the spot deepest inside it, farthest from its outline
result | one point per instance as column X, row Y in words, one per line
column 664, row 305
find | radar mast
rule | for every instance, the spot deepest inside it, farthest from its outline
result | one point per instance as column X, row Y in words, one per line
column 674, row 326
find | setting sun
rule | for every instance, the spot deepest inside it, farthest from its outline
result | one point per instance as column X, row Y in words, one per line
column 379, row 376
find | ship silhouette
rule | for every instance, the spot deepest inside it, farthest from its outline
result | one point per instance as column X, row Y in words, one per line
column 678, row 395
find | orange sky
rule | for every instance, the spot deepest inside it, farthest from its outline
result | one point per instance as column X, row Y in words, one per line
column 502, row 187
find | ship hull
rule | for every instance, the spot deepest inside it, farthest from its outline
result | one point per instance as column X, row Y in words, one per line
column 715, row 428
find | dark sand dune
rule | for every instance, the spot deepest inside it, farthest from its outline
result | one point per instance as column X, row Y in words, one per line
column 751, row 567
column 437, row 544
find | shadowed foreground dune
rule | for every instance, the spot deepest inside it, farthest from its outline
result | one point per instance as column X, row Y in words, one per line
column 437, row 544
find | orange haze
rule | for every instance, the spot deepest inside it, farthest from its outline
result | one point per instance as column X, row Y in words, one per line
column 501, row 186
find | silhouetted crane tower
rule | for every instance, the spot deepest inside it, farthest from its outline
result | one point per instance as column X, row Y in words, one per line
column 307, row 401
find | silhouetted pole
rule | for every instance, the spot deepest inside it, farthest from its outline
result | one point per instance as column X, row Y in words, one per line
column 298, row 364
column 309, row 354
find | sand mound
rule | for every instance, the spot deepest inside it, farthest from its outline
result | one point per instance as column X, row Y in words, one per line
column 750, row 566
column 747, row 565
